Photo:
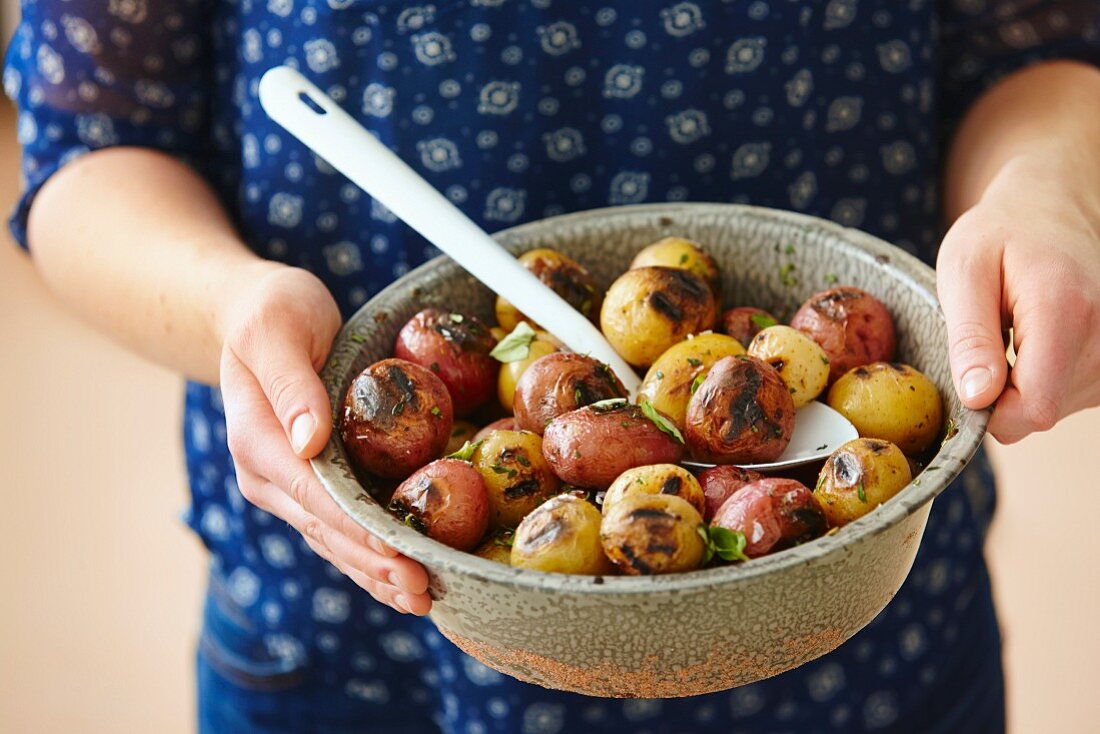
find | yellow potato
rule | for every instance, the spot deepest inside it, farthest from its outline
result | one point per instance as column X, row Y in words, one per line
column 677, row 252
column 800, row 361
column 648, row 310
column 648, row 534
column 858, row 477
column 565, row 276
column 562, row 535
column 669, row 479
column 516, row 475
column 510, row 372
column 893, row 402
column 667, row 384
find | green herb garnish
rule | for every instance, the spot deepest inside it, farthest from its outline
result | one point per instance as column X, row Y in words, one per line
column 824, row 360
column 466, row 452
column 664, row 424
column 861, row 494
column 785, row 274
column 830, row 278
column 505, row 538
column 762, row 321
column 684, row 259
column 436, row 411
column 523, row 460
column 659, row 375
column 578, row 396
column 435, row 366
column 789, row 249
column 695, row 362
column 457, row 318
column 729, row 545
column 358, row 338
column 697, row 382
column 608, row 405
column 515, row 346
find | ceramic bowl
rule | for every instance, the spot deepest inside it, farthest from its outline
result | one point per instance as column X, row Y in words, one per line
column 690, row 633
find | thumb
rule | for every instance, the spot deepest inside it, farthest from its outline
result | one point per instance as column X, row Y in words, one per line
column 968, row 277
column 284, row 369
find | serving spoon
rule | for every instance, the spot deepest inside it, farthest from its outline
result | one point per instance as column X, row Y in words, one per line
column 315, row 120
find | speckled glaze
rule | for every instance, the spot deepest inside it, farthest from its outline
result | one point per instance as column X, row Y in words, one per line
column 698, row 632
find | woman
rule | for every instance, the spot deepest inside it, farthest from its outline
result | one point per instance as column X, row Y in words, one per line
column 197, row 232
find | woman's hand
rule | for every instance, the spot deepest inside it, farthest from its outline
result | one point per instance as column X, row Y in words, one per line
column 1027, row 255
column 277, row 332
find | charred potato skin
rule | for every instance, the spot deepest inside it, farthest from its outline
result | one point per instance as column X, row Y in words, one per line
column 517, row 477
column 852, row 326
column 647, row 310
column 870, row 467
column 646, row 534
column 565, row 276
column 738, row 322
column 890, row 401
column 511, row 372
column 667, row 384
column 456, row 347
column 741, row 413
column 773, row 513
column 445, row 500
column 799, row 360
column 592, row 446
column 559, row 383
column 678, row 252
column 669, row 479
column 719, row 483
column 396, row 418
column 562, row 535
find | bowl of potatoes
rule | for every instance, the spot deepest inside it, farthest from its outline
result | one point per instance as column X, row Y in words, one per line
column 571, row 535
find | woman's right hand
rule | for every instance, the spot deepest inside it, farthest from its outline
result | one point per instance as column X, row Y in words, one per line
column 277, row 332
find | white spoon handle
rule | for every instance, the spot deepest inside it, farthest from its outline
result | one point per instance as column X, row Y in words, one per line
column 321, row 125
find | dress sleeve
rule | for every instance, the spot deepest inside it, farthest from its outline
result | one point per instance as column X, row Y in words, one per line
column 90, row 74
column 982, row 41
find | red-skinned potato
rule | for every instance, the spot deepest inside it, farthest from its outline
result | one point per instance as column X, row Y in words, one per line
column 565, row 276
column 647, row 310
column 445, row 500
column 558, row 383
column 501, row 424
column 456, row 347
column 646, row 534
column 851, row 325
column 771, row 513
column 397, row 417
column 592, row 446
column 719, row 483
column 745, row 322
column 742, row 413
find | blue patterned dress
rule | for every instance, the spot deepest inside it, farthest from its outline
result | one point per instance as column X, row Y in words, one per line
column 517, row 110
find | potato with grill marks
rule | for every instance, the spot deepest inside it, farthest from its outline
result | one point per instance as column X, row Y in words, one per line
column 851, row 325
column 397, row 417
column 677, row 252
column 646, row 534
column 772, row 513
column 742, row 413
column 670, row 381
column 565, row 276
column 516, row 475
column 445, row 500
column 656, row 479
column 648, row 310
column 559, row 383
column 798, row 359
column 719, row 483
column 858, row 477
column 562, row 535
column 890, row 401
column 455, row 347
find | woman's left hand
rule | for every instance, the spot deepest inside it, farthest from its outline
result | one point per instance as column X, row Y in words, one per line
column 1027, row 255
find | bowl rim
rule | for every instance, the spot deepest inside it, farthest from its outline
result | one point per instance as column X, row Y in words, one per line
column 954, row 453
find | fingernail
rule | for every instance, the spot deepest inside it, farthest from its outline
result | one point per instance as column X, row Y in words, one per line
column 401, row 603
column 976, row 381
column 301, row 430
column 391, row 578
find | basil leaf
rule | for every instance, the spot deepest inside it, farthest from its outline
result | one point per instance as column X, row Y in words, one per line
column 466, row 452
column 861, row 494
column 762, row 321
column 729, row 545
column 697, row 382
column 609, row 404
column 708, row 545
column 660, row 421
column 515, row 346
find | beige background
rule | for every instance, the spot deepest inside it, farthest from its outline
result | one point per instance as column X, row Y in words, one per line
column 100, row 581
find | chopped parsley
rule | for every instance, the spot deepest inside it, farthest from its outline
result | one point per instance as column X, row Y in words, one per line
column 786, row 276
column 466, row 452
column 861, row 494
column 762, row 321
column 695, row 362
column 697, row 382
